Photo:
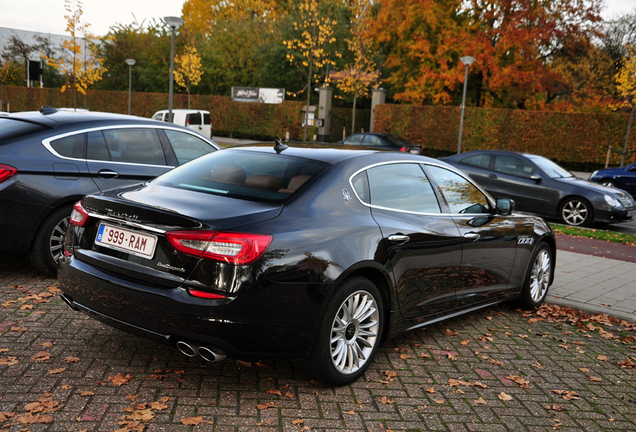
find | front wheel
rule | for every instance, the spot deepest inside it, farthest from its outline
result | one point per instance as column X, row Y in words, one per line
column 576, row 212
column 538, row 276
column 349, row 334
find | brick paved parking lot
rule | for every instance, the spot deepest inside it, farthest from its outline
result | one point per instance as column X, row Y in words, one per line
column 495, row 370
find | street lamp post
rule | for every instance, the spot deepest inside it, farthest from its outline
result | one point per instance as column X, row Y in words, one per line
column 174, row 23
column 467, row 60
column 130, row 63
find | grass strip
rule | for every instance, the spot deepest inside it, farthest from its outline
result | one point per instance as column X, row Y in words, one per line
column 606, row 235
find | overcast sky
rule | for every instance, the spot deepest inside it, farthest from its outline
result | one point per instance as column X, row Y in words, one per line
column 47, row 16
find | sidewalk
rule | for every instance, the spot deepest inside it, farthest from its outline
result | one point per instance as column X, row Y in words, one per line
column 595, row 284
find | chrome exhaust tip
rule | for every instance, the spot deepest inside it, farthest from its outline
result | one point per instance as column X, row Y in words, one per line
column 188, row 349
column 211, row 354
column 67, row 300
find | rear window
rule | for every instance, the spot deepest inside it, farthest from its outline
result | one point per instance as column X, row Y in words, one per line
column 193, row 119
column 10, row 128
column 206, row 119
column 243, row 174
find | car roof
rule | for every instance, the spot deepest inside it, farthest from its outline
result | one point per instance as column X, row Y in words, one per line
column 335, row 155
column 507, row 152
column 54, row 118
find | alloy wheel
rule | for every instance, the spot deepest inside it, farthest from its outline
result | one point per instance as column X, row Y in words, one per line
column 57, row 238
column 575, row 212
column 540, row 275
column 354, row 332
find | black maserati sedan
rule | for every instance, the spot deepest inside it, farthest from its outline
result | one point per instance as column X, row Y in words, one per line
column 312, row 254
column 540, row 186
column 51, row 158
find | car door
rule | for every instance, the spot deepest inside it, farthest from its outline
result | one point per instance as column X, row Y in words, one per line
column 119, row 157
column 516, row 178
column 627, row 180
column 489, row 240
column 422, row 244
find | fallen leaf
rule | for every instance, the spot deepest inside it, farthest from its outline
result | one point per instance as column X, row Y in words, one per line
column 602, row 358
column 465, row 342
column 192, row 421
column 405, row 356
column 504, row 397
column 352, row 412
column 449, row 332
column 386, row 400
column 9, row 361
column 121, row 379
column 56, row 371
column 86, row 393
column 72, row 359
column 431, row 390
column 479, row 401
column 274, row 392
column 567, row 395
column 41, row 356
column 298, row 422
column 244, row 363
column 595, row 379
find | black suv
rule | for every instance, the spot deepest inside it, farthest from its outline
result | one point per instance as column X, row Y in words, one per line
column 52, row 158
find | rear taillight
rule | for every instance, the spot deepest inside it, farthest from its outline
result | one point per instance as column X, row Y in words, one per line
column 6, row 172
column 233, row 248
column 79, row 216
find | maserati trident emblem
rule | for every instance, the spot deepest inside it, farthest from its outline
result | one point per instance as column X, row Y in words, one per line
column 345, row 195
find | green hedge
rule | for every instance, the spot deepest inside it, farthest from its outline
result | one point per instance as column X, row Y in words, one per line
column 578, row 140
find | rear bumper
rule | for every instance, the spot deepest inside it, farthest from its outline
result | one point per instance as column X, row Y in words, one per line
column 270, row 321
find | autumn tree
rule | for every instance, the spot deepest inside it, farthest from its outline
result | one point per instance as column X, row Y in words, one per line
column 312, row 47
column 360, row 75
column 512, row 40
column 626, row 86
column 80, row 64
column 188, row 69
column 7, row 70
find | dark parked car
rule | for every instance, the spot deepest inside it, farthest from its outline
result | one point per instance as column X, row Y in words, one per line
column 51, row 158
column 619, row 177
column 539, row 186
column 382, row 141
column 299, row 253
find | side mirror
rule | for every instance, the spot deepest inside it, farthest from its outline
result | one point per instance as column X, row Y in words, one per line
column 505, row 206
column 536, row 178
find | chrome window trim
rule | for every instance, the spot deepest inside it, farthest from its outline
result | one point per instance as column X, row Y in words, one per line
column 47, row 141
column 426, row 163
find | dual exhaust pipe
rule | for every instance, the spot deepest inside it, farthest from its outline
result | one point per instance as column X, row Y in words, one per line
column 207, row 353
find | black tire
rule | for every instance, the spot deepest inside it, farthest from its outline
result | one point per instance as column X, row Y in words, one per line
column 538, row 278
column 608, row 182
column 49, row 240
column 576, row 212
column 345, row 345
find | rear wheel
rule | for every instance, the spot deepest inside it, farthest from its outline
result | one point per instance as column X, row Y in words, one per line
column 349, row 334
column 48, row 242
column 576, row 212
column 538, row 275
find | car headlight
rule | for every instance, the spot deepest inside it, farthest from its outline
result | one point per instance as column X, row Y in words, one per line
column 593, row 174
column 613, row 202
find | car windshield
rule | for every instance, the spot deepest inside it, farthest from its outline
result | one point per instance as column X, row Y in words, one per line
column 244, row 174
column 551, row 169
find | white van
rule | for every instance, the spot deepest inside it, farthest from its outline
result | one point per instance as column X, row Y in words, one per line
column 198, row 120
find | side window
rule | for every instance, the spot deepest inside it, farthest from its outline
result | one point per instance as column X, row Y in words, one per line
column 353, row 140
column 158, row 117
column 206, row 119
column 186, row 146
column 513, row 165
column 70, row 146
column 481, row 161
column 141, row 146
column 402, row 186
column 361, row 186
column 461, row 195
column 96, row 148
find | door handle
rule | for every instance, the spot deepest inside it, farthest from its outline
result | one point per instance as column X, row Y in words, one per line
column 472, row 236
column 493, row 176
column 107, row 173
column 399, row 238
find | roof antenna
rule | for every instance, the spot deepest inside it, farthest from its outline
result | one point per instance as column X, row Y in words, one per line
column 279, row 147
